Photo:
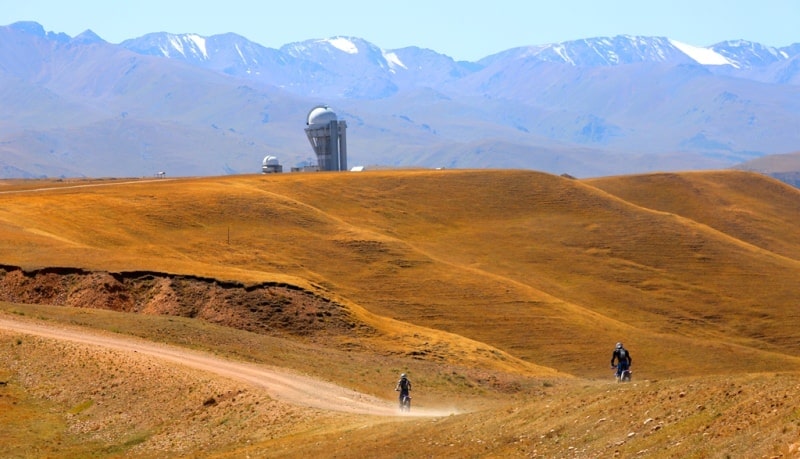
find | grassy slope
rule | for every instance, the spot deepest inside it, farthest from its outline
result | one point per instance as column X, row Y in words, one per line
column 69, row 400
column 547, row 269
column 752, row 208
column 550, row 270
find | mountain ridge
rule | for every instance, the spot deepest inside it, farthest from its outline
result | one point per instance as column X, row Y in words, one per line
column 612, row 105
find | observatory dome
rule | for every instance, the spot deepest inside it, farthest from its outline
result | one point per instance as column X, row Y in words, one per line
column 270, row 161
column 321, row 114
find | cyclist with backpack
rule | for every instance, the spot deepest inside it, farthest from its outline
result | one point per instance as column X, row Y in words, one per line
column 623, row 359
column 404, row 387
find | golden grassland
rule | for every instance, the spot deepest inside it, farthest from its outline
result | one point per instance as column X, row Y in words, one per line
column 500, row 291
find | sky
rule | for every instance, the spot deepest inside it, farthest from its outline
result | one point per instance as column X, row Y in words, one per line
column 463, row 30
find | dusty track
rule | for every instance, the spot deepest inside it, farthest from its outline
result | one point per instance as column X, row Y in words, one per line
column 282, row 385
column 86, row 185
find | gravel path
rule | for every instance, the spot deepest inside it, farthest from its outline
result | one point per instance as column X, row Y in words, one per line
column 280, row 384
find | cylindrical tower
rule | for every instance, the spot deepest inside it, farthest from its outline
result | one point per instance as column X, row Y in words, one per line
column 328, row 138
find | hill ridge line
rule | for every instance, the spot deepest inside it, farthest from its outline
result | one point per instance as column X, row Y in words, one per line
column 704, row 226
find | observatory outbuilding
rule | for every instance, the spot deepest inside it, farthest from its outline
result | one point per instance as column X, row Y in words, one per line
column 270, row 165
column 328, row 138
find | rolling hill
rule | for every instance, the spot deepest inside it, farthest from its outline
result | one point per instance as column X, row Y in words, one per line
column 500, row 290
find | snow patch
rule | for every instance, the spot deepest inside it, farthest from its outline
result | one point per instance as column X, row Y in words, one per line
column 199, row 42
column 240, row 54
column 177, row 44
column 394, row 60
column 562, row 51
column 703, row 56
column 343, row 44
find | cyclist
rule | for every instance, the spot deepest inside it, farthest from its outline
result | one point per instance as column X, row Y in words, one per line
column 623, row 359
column 404, row 387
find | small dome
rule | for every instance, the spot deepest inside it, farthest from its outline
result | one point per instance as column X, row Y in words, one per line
column 320, row 114
column 270, row 161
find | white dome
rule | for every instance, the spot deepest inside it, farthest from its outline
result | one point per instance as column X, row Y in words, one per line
column 320, row 114
column 270, row 161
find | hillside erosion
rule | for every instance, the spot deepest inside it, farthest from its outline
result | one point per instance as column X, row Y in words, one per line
column 550, row 270
column 274, row 309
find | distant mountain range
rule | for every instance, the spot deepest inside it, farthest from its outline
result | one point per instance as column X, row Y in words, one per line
column 193, row 105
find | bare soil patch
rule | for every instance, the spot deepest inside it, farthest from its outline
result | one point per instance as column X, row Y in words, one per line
column 267, row 308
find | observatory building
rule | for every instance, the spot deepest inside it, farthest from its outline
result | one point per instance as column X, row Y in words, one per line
column 270, row 165
column 328, row 137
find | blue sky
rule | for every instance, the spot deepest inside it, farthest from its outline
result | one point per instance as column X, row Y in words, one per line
column 463, row 30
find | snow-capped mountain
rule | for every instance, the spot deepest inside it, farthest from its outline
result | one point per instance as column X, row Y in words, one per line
column 757, row 62
column 230, row 54
column 746, row 54
column 206, row 105
column 618, row 50
column 625, row 49
column 354, row 68
column 348, row 67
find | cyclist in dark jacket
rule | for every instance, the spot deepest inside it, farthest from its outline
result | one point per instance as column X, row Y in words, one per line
column 623, row 359
column 404, row 386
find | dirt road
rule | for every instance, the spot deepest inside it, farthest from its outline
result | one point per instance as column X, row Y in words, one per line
column 282, row 385
column 86, row 185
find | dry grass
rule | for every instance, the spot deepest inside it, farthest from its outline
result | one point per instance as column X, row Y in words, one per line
column 508, row 270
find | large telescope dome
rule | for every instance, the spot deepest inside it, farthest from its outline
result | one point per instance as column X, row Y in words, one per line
column 320, row 114
column 328, row 137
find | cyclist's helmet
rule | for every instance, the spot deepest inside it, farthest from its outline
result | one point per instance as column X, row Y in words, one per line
column 402, row 376
column 619, row 345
